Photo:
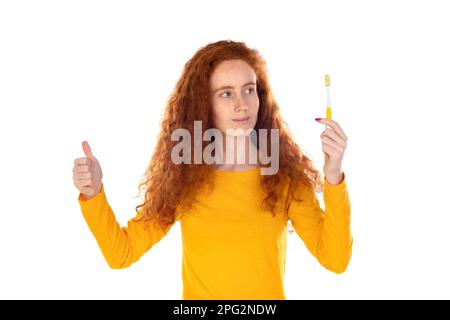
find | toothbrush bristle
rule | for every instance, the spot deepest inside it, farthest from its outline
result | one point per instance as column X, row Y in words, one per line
column 327, row 80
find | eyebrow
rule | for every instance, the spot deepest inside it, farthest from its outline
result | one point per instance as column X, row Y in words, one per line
column 231, row 87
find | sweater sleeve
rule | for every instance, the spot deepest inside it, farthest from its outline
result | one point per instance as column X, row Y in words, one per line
column 326, row 234
column 120, row 246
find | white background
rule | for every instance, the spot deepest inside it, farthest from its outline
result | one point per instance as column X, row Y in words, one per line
column 102, row 71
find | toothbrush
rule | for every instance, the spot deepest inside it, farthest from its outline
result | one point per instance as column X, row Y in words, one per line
column 327, row 85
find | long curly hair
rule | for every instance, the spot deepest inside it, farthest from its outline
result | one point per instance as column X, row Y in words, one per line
column 169, row 186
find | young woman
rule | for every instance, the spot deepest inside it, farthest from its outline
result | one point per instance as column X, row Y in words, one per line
column 233, row 215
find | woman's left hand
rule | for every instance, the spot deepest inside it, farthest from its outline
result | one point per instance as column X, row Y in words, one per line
column 334, row 143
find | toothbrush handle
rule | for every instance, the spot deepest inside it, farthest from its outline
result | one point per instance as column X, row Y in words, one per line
column 328, row 115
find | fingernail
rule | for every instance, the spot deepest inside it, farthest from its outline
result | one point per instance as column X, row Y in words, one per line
column 318, row 119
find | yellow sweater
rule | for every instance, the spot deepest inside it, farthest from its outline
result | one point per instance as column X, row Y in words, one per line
column 231, row 248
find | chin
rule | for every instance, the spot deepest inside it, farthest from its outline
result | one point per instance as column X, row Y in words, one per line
column 242, row 130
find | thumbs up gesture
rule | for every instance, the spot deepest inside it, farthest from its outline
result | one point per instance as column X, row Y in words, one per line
column 87, row 173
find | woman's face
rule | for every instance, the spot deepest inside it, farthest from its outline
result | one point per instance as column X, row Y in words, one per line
column 234, row 99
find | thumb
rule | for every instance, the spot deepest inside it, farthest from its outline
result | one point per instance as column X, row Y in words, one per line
column 87, row 149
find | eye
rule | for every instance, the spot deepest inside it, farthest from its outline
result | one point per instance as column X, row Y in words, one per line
column 225, row 92
column 250, row 90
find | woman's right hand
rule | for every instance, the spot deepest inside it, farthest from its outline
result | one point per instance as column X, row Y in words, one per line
column 87, row 173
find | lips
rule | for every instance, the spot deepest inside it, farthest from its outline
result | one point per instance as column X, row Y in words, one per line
column 241, row 119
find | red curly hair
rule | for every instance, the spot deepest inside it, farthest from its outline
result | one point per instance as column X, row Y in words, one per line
column 169, row 186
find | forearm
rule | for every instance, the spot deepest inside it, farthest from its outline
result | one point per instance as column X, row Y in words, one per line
column 336, row 240
column 114, row 243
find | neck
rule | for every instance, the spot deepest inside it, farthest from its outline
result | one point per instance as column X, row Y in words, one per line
column 238, row 154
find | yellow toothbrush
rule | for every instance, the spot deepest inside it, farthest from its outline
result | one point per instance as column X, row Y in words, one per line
column 327, row 85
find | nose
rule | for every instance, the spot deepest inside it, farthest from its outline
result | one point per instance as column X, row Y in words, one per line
column 239, row 106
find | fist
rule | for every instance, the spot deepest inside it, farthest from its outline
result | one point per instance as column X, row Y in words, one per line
column 87, row 173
